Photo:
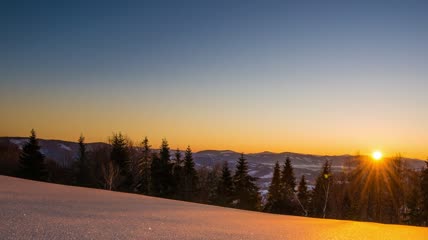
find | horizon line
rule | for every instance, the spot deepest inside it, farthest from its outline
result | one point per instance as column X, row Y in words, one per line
column 248, row 153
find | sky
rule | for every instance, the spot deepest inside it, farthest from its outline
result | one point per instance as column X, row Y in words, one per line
column 320, row 77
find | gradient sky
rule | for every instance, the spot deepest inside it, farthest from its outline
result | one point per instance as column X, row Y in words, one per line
column 323, row 78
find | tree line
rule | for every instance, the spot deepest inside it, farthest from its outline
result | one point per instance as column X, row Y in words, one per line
column 162, row 172
column 387, row 192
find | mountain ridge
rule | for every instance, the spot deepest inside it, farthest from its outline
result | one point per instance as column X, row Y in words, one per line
column 214, row 150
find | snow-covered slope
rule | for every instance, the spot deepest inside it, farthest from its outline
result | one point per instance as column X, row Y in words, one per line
column 36, row 210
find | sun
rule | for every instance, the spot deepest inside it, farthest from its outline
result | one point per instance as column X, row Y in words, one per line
column 377, row 155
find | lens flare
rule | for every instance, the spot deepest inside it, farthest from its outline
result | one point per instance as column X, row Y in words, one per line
column 377, row 155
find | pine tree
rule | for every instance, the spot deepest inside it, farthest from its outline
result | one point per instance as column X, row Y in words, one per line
column 224, row 189
column 178, row 160
column 288, row 185
column 303, row 195
column 31, row 161
column 161, row 172
column 120, row 157
column 246, row 190
column 143, row 185
column 81, row 165
column 274, row 199
column 190, row 176
column 156, row 175
column 178, row 175
column 321, row 192
column 119, row 152
column 288, row 179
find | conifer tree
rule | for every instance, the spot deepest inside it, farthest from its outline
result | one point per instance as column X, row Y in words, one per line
column 144, row 167
column 246, row 190
column 178, row 160
column 178, row 175
column 287, row 176
column 224, row 189
column 120, row 157
column 274, row 199
column 190, row 176
column 321, row 192
column 303, row 195
column 81, row 165
column 288, row 185
column 119, row 152
column 156, row 173
column 161, row 172
column 31, row 161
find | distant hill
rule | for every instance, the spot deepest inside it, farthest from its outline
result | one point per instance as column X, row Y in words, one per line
column 260, row 164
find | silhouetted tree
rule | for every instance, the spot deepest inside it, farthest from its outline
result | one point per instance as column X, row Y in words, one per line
column 224, row 188
column 144, row 183
column 110, row 173
column 161, row 172
column 274, row 198
column 120, row 157
column 119, row 152
column 320, row 195
column 246, row 191
column 31, row 161
column 178, row 175
column 133, row 167
column 288, row 185
column 303, row 196
column 178, row 160
column 81, row 167
column 190, row 176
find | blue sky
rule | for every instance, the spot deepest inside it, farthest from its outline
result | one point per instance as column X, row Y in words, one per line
column 330, row 77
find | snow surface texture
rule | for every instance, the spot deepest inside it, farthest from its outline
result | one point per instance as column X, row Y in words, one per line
column 36, row 210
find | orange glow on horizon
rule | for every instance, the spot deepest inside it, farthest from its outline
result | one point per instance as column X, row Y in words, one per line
column 207, row 140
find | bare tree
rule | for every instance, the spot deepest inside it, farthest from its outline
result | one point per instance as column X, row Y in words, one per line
column 110, row 174
column 327, row 192
column 305, row 211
